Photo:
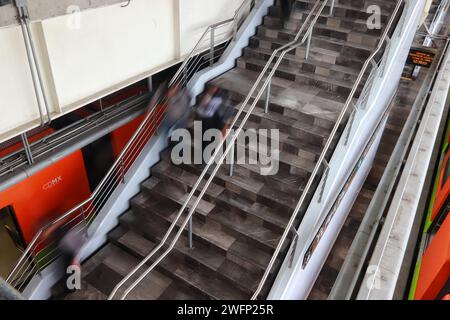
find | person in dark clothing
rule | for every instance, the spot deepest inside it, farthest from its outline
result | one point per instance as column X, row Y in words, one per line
column 286, row 9
column 214, row 111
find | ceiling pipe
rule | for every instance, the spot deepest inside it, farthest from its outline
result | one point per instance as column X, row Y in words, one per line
column 33, row 61
column 76, row 144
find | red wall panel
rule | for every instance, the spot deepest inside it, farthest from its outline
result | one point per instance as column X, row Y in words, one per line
column 47, row 194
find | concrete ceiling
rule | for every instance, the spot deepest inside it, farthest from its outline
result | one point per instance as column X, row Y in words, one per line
column 43, row 9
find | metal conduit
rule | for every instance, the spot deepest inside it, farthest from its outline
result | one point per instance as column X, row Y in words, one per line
column 33, row 63
column 60, row 138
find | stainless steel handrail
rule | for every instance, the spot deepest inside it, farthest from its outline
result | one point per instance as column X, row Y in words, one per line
column 87, row 209
column 327, row 147
column 42, row 147
column 284, row 49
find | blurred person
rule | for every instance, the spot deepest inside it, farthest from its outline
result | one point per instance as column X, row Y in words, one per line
column 286, row 9
column 178, row 109
column 214, row 112
column 215, row 109
column 69, row 238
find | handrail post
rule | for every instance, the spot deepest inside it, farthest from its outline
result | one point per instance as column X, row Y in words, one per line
column 232, row 159
column 211, row 49
column 266, row 108
column 122, row 171
column 190, row 241
column 331, row 8
column 185, row 77
column 308, row 45
column 27, row 148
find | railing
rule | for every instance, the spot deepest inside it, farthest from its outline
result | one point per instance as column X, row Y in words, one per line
column 35, row 151
column 212, row 43
column 41, row 251
column 277, row 55
column 362, row 102
column 436, row 22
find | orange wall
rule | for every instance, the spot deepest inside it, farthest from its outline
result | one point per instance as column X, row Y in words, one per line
column 435, row 268
column 48, row 194
column 444, row 190
column 121, row 136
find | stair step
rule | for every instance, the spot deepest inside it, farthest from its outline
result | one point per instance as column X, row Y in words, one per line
column 351, row 10
column 316, row 106
column 288, row 143
column 233, row 224
column 340, row 86
column 267, row 216
column 327, row 55
column 298, row 17
column 349, row 40
column 173, row 266
column 288, row 163
column 214, row 262
column 177, row 195
column 250, row 187
column 213, row 231
column 348, row 43
column 320, row 111
column 310, row 65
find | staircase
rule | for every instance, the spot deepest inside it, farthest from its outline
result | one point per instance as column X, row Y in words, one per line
column 241, row 218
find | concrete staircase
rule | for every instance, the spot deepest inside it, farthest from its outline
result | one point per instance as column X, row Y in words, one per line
column 241, row 218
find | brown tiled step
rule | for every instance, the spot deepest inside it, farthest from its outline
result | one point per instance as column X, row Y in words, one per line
column 339, row 39
column 308, row 78
column 234, row 224
column 116, row 263
column 315, row 53
column 250, row 189
column 211, row 260
column 386, row 5
column 178, row 292
column 298, row 17
column 242, row 252
column 176, row 194
column 310, row 65
column 87, row 292
column 288, row 143
column 284, row 162
column 288, row 163
column 328, row 38
column 299, row 130
column 154, row 225
column 303, row 104
column 179, row 271
column 225, row 198
column 353, row 10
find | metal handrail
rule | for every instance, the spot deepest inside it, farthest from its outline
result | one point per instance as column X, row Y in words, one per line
column 87, row 209
column 283, row 49
column 57, row 139
column 327, row 147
